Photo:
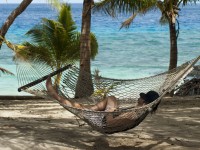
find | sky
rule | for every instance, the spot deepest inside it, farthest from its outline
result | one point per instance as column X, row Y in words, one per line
column 40, row 1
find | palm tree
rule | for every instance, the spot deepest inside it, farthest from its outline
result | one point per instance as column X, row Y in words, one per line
column 85, row 50
column 168, row 8
column 85, row 79
column 56, row 42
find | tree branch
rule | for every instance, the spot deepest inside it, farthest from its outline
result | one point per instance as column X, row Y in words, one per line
column 24, row 4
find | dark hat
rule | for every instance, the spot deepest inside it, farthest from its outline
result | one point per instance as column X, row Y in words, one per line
column 143, row 96
column 149, row 96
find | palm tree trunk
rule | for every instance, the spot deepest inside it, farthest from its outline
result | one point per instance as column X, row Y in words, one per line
column 84, row 85
column 173, row 46
column 24, row 4
column 57, row 81
column 173, row 49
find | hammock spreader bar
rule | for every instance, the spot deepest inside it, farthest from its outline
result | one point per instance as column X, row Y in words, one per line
column 43, row 78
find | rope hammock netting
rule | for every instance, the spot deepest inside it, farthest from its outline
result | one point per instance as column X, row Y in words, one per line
column 32, row 79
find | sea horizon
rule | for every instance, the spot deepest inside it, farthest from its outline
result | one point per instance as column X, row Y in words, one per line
column 137, row 52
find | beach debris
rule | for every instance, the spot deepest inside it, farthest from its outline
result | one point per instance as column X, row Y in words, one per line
column 189, row 88
column 191, row 84
column 195, row 72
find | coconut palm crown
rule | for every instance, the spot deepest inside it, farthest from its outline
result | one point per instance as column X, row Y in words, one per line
column 55, row 42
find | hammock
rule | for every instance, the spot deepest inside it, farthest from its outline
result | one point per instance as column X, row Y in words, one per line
column 32, row 78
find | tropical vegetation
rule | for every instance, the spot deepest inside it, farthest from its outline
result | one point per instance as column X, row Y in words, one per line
column 85, row 42
column 6, row 25
column 56, row 42
column 11, row 18
column 169, row 13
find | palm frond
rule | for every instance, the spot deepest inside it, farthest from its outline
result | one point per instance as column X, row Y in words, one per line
column 114, row 7
column 128, row 22
column 55, row 42
column 185, row 2
column 163, row 20
column 94, row 45
column 4, row 71
column 36, row 34
column 65, row 18
column 55, row 3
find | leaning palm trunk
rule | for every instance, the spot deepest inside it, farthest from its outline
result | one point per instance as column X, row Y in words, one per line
column 85, row 52
column 24, row 4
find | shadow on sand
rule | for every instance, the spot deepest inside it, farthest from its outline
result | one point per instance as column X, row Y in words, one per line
column 174, row 125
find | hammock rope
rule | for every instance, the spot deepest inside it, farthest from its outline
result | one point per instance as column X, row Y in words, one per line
column 32, row 78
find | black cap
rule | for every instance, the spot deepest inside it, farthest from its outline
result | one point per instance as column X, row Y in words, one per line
column 149, row 96
column 143, row 96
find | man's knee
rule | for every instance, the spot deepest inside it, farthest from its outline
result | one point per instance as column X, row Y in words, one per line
column 112, row 98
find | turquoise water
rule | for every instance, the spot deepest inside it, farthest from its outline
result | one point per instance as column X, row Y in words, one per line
column 140, row 51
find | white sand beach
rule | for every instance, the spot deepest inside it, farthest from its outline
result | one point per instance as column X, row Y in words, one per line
column 40, row 124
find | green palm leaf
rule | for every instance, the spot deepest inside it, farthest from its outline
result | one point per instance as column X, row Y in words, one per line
column 114, row 7
column 56, row 42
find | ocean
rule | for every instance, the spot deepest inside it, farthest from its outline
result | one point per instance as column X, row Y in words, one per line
column 139, row 51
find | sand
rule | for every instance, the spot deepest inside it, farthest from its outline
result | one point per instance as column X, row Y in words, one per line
column 40, row 124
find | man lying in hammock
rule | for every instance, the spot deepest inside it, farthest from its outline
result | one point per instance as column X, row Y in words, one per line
column 109, row 104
